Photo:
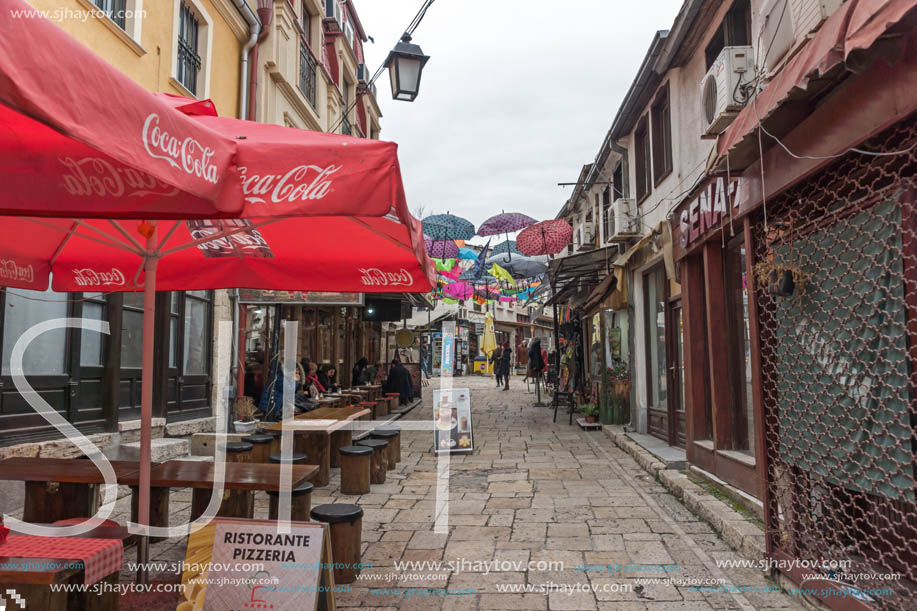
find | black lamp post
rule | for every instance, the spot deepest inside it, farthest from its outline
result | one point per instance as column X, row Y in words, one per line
column 405, row 64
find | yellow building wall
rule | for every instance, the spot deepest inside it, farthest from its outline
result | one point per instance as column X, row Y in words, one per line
column 149, row 63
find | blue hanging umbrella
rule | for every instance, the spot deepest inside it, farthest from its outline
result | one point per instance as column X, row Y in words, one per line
column 521, row 267
column 448, row 227
column 506, row 247
column 467, row 253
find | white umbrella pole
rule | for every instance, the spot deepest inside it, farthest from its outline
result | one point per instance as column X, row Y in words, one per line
column 146, row 406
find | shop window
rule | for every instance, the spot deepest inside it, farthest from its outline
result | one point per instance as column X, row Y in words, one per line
column 92, row 343
column 737, row 295
column 662, row 135
column 654, row 293
column 22, row 309
column 642, row 160
column 132, row 331
column 196, row 345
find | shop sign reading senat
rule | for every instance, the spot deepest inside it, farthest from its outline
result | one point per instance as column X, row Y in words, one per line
column 707, row 209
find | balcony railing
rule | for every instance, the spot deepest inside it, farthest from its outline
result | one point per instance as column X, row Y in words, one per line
column 306, row 73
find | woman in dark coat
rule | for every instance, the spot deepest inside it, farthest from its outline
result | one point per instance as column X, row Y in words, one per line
column 536, row 361
column 399, row 381
column 358, row 371
column 505, row 360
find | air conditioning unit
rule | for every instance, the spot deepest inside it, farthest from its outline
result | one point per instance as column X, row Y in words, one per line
column 720, row 92
column 334, row 15
column 627, row 225
column 588, row 235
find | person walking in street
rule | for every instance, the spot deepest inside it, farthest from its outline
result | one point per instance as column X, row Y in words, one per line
column 495, row 357
column 505, row 364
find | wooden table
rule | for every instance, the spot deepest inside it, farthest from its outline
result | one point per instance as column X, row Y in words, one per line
column 374, row 390
column 317, row 432
column 60, row 488
column 198, row 475
column 34, row 584
column 330, row 401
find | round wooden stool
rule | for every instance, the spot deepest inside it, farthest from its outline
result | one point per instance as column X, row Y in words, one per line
column 238, row 451
column 236, row 503
column 275, row 441
column 380, row 461
column 356, row 465
column 346, row 525
column 261, row 450
column 301, row 498
column 296, row 459
column 393, row 451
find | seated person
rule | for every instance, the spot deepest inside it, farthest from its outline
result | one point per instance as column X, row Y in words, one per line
column 312, row 384
column 327, row 377
column 368, row 376
column 399, row 381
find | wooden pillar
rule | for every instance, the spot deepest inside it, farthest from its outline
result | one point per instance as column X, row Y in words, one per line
column 721, row 401
column 111, row 377
column 697, row 379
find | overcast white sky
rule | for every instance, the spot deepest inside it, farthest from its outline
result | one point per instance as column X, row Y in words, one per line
column 516, row 97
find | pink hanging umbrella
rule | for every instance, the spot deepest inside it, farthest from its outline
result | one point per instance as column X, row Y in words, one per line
column 441, row 249
column 544, row 238
column 458, row 290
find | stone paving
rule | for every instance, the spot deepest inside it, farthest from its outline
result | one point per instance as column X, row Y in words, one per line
column 531, row 491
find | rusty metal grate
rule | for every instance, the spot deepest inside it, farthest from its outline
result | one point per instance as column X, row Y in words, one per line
column 838, row 360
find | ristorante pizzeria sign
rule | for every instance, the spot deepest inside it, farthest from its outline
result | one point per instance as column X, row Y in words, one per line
column 706, row 210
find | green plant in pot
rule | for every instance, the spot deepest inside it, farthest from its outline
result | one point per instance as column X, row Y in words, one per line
column 590, row 411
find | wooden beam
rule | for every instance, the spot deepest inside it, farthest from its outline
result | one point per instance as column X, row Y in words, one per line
column 721, row 400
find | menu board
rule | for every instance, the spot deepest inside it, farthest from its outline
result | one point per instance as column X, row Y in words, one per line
column 293, row 569
column 452, row 421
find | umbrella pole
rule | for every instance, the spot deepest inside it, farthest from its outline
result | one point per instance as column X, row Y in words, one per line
column 146, row 407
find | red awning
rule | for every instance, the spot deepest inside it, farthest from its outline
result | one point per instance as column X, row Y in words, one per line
column 855, row 26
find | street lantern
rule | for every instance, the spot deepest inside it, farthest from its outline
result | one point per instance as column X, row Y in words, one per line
column 405, row 63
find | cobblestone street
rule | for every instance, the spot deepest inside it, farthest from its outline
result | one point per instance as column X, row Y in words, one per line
column 535, row 491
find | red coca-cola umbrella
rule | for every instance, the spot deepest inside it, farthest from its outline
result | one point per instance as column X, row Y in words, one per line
column 107, row 187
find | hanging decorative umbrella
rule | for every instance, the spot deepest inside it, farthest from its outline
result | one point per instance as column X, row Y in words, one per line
column 506, row 247
column 487, row 292
column 458, row 290
column 501, row 274
column 441, row 249
column 448, row 227
column 506, row 222
column 544, row 238
column 467, row 253
column 523, row 267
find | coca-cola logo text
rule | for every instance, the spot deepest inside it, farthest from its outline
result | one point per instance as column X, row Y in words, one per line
column 186, row 154
column 304, row 182
column 10, row 270
column 91, row 277
column 374, row 276
column 94, row 176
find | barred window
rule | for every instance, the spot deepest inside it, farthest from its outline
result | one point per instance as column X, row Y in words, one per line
column 189, row 60
column 306, row 72
column 113, row 9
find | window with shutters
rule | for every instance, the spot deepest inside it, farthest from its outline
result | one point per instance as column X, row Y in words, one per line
column 644, row 173
column 662, row 135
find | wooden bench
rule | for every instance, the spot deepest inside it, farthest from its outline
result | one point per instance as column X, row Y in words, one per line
column 61, row 488
column 199, row 476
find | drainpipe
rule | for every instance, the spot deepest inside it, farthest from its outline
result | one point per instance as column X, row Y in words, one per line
column 234, row 370
column 266, row 16
column 254, row 29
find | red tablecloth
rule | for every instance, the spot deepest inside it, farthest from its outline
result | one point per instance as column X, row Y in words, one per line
column 100, row 557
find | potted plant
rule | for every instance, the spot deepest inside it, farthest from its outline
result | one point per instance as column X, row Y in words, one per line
column 590, row 411
column 245, row 414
